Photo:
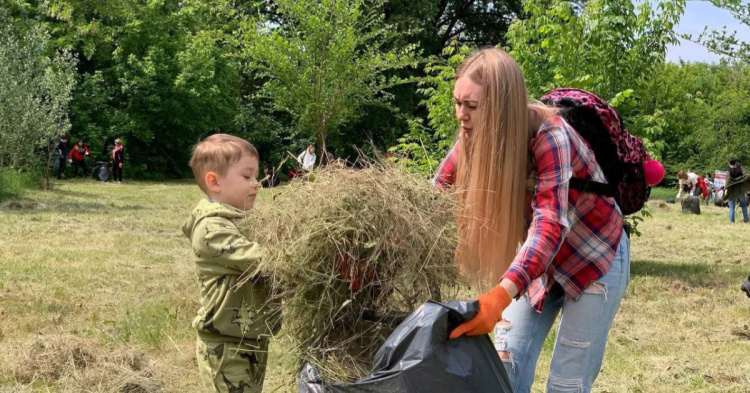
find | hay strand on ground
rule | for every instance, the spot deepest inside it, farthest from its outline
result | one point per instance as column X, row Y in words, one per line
column 73, row 364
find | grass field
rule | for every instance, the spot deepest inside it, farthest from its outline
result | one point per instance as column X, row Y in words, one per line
column 97, row 293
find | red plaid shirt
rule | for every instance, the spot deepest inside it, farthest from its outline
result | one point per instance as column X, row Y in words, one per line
column 573, row 236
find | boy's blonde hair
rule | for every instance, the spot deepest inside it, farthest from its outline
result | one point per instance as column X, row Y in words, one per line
column 216, row 154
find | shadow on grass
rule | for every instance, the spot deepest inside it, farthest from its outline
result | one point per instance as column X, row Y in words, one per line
column 9, row 195
column 27, row 206
column 75, row 194
column 693, row 274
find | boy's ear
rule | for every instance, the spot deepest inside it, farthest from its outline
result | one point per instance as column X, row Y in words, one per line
column 212, row 181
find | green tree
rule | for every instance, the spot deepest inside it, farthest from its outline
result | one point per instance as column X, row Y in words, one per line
column 325, row 62
column 158, row 74
column 723, row 41
column 35, row 92
column 435, row 24
column 609, row 47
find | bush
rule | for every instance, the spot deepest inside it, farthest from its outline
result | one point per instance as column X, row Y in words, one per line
column 14, row 182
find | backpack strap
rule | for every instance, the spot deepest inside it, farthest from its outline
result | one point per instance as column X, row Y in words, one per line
column 594, row 187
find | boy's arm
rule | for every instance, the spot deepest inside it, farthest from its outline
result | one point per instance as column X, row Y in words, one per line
column 223, row 243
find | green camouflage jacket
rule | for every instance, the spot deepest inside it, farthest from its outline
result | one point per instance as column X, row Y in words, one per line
column 222, row 254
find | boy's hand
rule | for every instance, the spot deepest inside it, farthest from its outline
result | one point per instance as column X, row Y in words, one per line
column 119, row 165
column 491, row 307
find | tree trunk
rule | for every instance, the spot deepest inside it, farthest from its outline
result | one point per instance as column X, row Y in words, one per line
column 323, row 153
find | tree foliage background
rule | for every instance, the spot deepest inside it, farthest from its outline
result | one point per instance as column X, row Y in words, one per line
column 162, row 74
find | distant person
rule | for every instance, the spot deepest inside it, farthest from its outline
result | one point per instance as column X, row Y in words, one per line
column 737, row 187
column 232, row 351
column 709, row 186
column 77, row 157
column 307, row 159
column 270, row 179
column 116, row 160
column 61, row 153
column 695, row 182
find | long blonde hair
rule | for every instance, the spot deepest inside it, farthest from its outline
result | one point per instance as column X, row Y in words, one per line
column 492, row 167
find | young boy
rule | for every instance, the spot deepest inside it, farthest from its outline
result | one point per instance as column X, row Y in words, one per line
column 233, row 323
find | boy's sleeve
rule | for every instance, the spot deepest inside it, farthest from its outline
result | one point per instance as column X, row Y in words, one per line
column 222, row 243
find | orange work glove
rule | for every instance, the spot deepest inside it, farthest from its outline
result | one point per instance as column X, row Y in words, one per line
column 491, row 307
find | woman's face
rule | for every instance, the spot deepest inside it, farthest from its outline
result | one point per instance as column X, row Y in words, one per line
column 466, row 98
column 311, row 149
column 80, row 143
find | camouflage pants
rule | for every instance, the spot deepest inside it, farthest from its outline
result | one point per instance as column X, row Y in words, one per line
column 231, row 367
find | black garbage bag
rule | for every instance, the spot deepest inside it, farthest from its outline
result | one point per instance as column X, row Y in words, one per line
column 101, row 171
column 418, row 357
column 691, row 205
column 719, row 199
column 746, row 287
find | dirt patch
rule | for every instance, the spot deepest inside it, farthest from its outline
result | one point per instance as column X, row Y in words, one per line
column 680, row 286
column 742, row 332
column 77, row 365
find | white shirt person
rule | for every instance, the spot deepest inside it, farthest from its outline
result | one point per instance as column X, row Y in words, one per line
column 307, row 158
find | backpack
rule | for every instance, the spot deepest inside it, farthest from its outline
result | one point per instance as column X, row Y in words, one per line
column 620, row 154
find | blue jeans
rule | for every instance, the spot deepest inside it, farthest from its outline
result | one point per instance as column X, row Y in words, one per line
column 581, row 337
column 742, row 200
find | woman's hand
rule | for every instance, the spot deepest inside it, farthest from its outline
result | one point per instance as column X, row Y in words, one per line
column 491, row 307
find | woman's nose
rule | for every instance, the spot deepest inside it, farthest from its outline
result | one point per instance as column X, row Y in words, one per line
column 462, row 114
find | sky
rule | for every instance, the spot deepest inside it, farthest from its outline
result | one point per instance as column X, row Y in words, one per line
column 699, row 14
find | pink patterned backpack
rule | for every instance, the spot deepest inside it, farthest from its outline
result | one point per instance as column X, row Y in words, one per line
column 621, row 155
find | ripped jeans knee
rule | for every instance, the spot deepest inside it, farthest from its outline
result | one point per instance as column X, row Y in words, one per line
column 501, row 343
column 568, row 385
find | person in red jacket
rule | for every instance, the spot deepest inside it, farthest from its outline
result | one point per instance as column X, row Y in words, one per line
column 77, row 157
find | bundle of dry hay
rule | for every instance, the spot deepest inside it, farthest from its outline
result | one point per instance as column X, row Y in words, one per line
column 350, row 254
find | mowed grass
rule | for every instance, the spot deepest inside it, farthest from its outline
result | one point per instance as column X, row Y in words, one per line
column 108, row 265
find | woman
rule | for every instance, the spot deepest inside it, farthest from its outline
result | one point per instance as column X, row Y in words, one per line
column 691, row 179
column 512, row 158
column 77, row 157
column 116, row 160
column 307, row 159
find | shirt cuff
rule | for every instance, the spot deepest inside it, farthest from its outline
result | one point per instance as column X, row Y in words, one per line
column 518, row 276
